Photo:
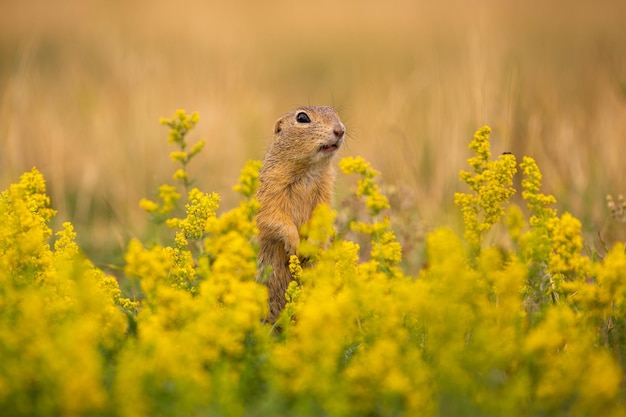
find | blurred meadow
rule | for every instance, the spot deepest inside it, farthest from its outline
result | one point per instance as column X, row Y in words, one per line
column 83, row 84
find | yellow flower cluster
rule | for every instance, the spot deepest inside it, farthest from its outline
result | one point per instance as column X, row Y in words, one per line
column 249, row 179
column 159, row 212
column 25, row 211
column 374, row 200
column 566, row 259
column 552, row 248
column 230, row 238
column 386, row 252
column 200, row 334
column 516, row 330
column 200, row 208
column 58, row 313
column 317, row 232
column 180, row 124
column 491, row 187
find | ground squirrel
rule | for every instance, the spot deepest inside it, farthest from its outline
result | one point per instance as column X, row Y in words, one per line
column 296, row 176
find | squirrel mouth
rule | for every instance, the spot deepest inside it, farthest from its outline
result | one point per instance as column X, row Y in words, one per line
column 330, row 148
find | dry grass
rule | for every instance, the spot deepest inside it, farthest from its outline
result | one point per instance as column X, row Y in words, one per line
column 82, row 88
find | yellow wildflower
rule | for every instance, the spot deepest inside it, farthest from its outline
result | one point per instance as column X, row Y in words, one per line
column 148, row 205
column 57, row 317
column 168, row 196
column 374, row 200
column 65, row 245
column 248, row 179
column 180, row 124
column 180, row 174
column 567, row 244
column 491, row 187
column 200, row 208
column 196, row 148
column 515, row 222
column 179, row 156
column 317, row 232
column 537, row 202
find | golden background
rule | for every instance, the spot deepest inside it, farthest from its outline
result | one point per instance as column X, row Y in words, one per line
column 83, row 84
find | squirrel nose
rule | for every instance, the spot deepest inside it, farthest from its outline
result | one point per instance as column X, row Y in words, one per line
column 339, row 130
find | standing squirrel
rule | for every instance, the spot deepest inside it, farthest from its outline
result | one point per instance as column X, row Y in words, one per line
column 296, row 176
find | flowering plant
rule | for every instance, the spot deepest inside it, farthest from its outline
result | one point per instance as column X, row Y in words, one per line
column 529, row 327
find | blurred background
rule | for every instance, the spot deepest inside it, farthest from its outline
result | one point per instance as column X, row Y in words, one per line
column 83, row 84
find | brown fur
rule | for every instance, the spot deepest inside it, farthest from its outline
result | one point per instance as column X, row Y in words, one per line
column 296, row 176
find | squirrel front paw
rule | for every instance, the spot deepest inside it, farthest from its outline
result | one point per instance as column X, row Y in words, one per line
column 291, row 244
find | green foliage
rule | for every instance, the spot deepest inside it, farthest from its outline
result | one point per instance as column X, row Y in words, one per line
column 532, row 328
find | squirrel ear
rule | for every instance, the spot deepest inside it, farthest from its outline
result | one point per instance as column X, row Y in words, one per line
column 277, row 126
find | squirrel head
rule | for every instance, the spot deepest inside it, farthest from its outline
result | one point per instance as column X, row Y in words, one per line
column 310, row 134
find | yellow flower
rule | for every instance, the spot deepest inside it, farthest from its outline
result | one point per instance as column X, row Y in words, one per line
column 491, row 187
column 180, row 124
column 357, row 336
column 515, row 222
column 24, row 251
column 169, row 198
column 611, row 285
column 317, row 232
column 200, row 209
column 59, row 315
column 481, row 148
column 180, row 174
column 179, row 156
column 562, row 349
column 196, row 148
column 374, row 200
column 248, row 179
column 567, row 245
column 152, row 266
column 148, row 205
column 295, row 268
column 65, row 245
column 537, row 202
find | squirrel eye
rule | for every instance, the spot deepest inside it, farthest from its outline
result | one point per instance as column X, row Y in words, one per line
column 302, row 117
